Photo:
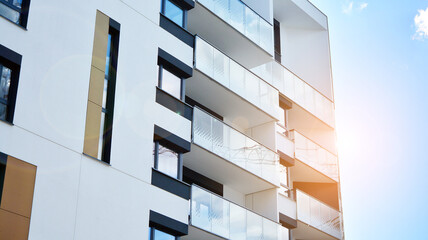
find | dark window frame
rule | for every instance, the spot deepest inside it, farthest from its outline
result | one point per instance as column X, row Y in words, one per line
column 179, row 160
column 182, row 81
column 114, row 32
column 183, row 21
column 11, row 60
column 23, row 11
column 277, row 40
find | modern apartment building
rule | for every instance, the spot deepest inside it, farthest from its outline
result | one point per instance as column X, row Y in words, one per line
column 167, row 119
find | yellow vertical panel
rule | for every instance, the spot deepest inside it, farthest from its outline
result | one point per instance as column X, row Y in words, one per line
column 100, row 41
column 18, row 188
column 13, row 226
column 96, row 86
column 92, row 131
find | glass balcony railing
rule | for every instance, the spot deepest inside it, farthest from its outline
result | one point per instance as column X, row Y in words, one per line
column 228, row 220
column 297, row 90
column 315, row 156
column 244, row 20
column 235, row 147
column 318, row 215
column 236, row 78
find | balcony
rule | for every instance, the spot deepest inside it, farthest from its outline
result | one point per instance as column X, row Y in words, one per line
column 313, row 161
column 316, row 220
column 217, row 20
column 229, row 89
column 284, row 144
column 227, row 156
column 213, row 217
column 304, row 95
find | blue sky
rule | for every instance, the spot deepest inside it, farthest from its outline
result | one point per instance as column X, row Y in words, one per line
column 380, row 72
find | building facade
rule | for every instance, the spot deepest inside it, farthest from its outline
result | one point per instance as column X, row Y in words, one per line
column 167, row 119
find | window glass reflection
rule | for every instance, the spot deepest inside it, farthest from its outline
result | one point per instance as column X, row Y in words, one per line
column 9, row 13
column 159, row 235
column 168, row 161
column 171, row 83
column 4, row 82
column 174, row 12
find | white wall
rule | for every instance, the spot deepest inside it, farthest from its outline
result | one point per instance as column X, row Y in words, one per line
column 234, row 196
column 111, row 202
column 264, row 203
column 306, row 53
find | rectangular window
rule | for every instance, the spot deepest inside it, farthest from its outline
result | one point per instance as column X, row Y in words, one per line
column 108, row 95
column 9, row 75
column 174, row 12
column 155, row 234
column 166, row 160
column 15, row 11
column 102, row 84
column 277, row 39
column 171, row 83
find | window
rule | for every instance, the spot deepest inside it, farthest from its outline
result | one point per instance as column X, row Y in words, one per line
column 106, row 125
column 102, row 84
column 277, row 39
column 9, row 76
column 170, row 83
column 174, row 12
column 155, row 234
column 15, row 11
column 166, row 160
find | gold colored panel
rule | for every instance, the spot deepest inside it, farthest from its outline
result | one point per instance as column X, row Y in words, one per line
column 13, row 226
column 100, row 41
column 96, row 86
column 92, row 131
column 18, row 188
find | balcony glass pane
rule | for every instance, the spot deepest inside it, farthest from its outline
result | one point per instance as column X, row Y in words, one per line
column 220, row 216
column 270, row 230
column 252, row 88
column 201, row 205
column 309, row 98
column 205, row 57
column 252, row 25
column 221, row 68
column 237, row 11
column 221, row 139
column 237, row 78
column 315, row 156
column 232, row 145
column 319, row 215
column 254, row 226
column 254, row 156
column 266, row 35
column 202, row 133
column 221, row 8
column 237, row 148
column 238, row 222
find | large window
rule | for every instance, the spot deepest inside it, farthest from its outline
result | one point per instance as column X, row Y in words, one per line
column 15, row 10
column 166, row 160
column 108, row 95
column 9, row 76
column 174, row 12
column 171, row 83
column 155, row 234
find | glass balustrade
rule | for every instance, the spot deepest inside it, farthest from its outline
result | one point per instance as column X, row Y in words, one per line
column 318, row 215
column 297, row 90
column 230, row 144
column 228, row 220
column 236, row 78
column 315, row 156
column 244, row 20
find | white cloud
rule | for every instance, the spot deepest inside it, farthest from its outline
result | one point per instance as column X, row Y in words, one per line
column 363, row 6
column 347, row 9
column 421, row 23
